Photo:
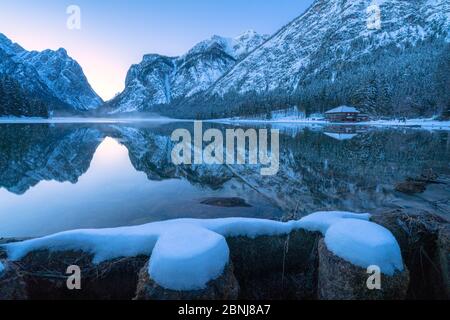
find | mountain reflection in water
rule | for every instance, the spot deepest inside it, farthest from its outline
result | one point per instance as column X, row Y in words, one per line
column 61, row 177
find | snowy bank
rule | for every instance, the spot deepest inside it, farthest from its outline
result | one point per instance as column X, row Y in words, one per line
column 186, row 254
column 429, row 124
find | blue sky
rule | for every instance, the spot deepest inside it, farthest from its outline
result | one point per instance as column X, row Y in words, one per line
column 117, row 33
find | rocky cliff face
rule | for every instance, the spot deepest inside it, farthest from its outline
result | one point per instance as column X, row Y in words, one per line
column 160, row 80
column 64, row 77
column 50, row 77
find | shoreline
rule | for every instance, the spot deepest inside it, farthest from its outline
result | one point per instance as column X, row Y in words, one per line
column 412, row 123
column 428, row 124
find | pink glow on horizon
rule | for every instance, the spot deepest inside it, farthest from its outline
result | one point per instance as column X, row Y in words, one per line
column 116, row 34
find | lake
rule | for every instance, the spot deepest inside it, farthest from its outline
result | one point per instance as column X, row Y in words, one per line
column 57, row 177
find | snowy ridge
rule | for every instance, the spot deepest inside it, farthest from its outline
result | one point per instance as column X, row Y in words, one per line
column 64, row 77
column 326, row 34
column 186, row 254
column 158, row 80
column 315, row 60
column 48, row 74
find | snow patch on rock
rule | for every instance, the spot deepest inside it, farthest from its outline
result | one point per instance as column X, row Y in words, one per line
column 322, row 221
column 365, row 244
column 188, row 253
column 177, row 266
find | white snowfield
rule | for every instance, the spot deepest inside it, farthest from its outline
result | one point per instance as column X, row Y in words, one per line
column 187, row 253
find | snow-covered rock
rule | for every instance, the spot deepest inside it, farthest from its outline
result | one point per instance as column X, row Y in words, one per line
column 50, row 75
column 340, row 280
column 225, row 287
column 186, row 254
column 158, row 80
column 365, row 246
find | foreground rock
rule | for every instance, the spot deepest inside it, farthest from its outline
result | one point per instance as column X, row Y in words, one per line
column 225, row 287
column 12, row 283
column 443, row 247
column 341, row 280
column 276, row 267
column 42, row 275
column 423, row 239
column 267, row 260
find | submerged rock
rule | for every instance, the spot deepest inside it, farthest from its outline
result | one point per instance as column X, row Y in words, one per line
column 226, row 202
column 411, row 186
column 417, row 185
column 225, row 287
column 341, row 280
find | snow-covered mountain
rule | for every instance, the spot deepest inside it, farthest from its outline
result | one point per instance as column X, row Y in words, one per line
column 332, row 32
column 64, row 77
column 333, row 54
column 51, row 76
column 159, row 80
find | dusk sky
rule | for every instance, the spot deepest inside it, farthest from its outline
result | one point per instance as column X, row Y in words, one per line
column 116, row 33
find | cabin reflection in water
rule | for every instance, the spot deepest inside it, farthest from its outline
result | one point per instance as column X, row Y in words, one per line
column 344, row 132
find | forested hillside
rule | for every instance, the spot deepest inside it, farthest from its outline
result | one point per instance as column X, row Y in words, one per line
column 14, row 101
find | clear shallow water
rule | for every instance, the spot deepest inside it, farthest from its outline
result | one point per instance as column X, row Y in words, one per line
column 57, row 177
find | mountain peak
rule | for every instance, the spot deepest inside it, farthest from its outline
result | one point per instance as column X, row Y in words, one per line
column 158, row 79
column 248, row 34
column 50, row 74
column 9, row 46
column 62, row 52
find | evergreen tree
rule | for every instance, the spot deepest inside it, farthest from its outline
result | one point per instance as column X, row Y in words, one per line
column 15, row 101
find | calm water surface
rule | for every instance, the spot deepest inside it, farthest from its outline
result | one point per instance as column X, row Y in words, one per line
column 56, row 177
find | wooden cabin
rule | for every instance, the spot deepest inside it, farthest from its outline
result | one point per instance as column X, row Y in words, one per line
column 345, row 114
